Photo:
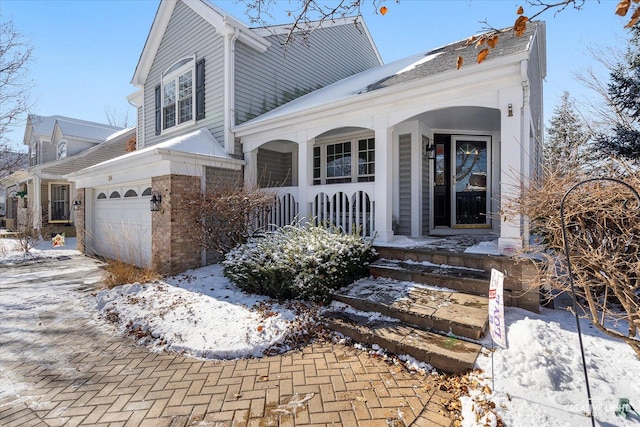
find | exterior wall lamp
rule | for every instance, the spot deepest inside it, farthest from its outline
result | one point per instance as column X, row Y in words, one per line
column 510, row 110
column 156, row 198
column 429, row 148
column 76, row 204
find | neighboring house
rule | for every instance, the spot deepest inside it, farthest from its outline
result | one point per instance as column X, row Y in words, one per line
column 10, row 161
column 38, row 194
column 412, row 148
column 200, row 74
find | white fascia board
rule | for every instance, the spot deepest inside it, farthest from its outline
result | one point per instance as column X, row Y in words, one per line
column 224, row 23
column 151, row 45
column 16, row 177
column 199, row 160
column 136, row 99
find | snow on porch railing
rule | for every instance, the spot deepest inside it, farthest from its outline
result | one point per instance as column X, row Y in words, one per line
column 347, row 211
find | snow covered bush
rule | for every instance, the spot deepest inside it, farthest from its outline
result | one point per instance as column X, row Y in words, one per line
column 301, row 262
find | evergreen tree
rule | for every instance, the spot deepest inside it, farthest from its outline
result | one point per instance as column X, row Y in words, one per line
column 564, row 148
column 624, row 91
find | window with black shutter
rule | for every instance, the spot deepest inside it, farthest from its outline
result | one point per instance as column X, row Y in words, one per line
column 200, row 89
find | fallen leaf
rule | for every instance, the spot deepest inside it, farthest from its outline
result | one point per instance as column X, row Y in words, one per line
column 260, row 328
column 361, row 399
column 263, row 378
column 480, row 42
column 459, row 62
column 383, row 10
column 492, row 41
column 520, row 11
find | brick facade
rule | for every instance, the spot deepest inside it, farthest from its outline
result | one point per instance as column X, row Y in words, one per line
column 173, row 247
column 215, row 178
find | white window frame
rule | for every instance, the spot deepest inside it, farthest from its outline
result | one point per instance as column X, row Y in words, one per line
column 63, row 144
column 353, row 177
column 67, row 201
column 173, row 75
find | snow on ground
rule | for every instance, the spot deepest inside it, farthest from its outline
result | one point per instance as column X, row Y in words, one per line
column 10, row 251
column 537, row 381
column 202, row 314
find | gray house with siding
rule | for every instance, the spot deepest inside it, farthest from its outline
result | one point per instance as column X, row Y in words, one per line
column 201, row 73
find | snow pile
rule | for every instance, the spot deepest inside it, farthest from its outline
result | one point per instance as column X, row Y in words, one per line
column 539, row 378
column 200, row 313
column 10, row 252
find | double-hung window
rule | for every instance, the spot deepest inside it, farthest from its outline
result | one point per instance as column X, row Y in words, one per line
column 180, row 97
column 350, row 160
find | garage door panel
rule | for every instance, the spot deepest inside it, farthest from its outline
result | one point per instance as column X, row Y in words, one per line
column 122, row 230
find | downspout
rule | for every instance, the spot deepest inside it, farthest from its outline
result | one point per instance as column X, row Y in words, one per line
column 525, row 141
column 230, row 36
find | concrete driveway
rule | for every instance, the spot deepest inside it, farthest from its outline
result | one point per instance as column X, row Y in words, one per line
column 60, row 365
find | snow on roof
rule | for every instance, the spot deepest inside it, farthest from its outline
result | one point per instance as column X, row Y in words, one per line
column 199, row 142
column 85, row 129
column 44, row 125
column 398, row 72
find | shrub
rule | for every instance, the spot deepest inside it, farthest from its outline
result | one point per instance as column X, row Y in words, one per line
column 301, row 262
column 121, row 273
column 603, row 225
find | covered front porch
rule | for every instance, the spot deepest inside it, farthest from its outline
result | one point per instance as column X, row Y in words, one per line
column 437, row 172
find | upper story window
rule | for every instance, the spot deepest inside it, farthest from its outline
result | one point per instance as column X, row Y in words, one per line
column 62, row 150
column 180, row 96
column 343, row 162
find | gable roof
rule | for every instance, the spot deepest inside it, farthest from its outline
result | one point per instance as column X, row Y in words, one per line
column 223, row 23
column 404, row 71
column 45, row 125
column 84, row 129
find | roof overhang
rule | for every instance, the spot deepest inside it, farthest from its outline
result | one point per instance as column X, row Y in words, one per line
column 184, row 155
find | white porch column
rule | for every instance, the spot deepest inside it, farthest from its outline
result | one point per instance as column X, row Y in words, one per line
column 512, row 152
column 305, row 179
column 383, row 180
column 251, row 169
column 36, row 207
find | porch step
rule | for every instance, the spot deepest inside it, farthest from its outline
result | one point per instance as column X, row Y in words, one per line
column 469, row 280
column 433, row 325
column 444, row 353
column 426, row 307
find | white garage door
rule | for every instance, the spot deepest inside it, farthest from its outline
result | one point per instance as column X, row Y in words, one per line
column 122, row 224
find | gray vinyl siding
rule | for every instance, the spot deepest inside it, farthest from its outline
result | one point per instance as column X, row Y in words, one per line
column 425, row 196
column 267, row 80
column 188, row 34
column 274, row 168
column 404, row 157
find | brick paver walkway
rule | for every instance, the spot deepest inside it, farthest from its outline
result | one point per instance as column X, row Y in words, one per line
column 60, row 368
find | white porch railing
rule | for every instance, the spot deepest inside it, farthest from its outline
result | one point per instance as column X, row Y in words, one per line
column 349, row 207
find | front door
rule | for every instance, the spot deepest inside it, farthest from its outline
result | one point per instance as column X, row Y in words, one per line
column 461, row 181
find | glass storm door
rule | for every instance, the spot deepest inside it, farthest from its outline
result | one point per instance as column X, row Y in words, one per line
column 470, row 181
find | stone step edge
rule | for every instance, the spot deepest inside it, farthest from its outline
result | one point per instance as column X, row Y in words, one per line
column 466, row 285
column 459, row 327
column 426, row 267
column 444, row 353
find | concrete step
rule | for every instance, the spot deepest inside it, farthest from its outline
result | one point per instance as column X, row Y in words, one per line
column 425, row 307
column 444, row 353
column 464, row 279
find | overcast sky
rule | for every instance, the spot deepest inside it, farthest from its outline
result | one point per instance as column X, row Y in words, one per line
column 85, row 51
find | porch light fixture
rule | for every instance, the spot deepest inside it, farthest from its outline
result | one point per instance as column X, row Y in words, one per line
column 510, row 110
column 429, row 149
column 156, row 198
column 76, row 204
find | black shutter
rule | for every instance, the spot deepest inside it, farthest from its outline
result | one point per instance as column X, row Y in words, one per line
column 200, row 89
column 158, row 110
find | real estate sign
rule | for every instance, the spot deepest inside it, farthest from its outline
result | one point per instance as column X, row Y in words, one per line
column 496, row 309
